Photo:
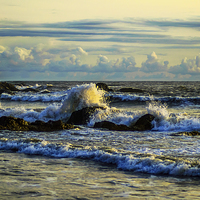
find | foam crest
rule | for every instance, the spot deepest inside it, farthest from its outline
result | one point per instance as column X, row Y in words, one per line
column 159, row 110
column 85, row 95
column 166, row 121
column 150, row 164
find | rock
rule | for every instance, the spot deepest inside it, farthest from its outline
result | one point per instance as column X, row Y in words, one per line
column 7, row 88
column 30, row 90
column 192, row 133
column 103, row 86
column 14, row 124
column 81, row 117
column 144, row 123
column 49, row 126
column 131, row 90
column 111, row 126
column 17, row 124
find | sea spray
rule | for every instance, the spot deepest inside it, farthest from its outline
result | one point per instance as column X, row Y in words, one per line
column 82, row 96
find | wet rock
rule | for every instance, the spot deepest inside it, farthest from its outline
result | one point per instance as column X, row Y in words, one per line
column 103, row 86
column 131, row 90
column 17, row 124
column 111, row 126
column 50, row 126
column 30, row 90
column 192, row 133
column 14, row 124
column 82, row 117
column 7, row 88
column 144, row 123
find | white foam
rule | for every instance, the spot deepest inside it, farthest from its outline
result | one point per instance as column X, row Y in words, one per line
column 151, row 164
column 85, row 95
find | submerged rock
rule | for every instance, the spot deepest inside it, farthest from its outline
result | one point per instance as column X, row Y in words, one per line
column 131, row 90
column 82, row 117
column 17, row 124
column 103, row 86
column 111, row 126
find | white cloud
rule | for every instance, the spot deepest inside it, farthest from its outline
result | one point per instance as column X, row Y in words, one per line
column 81, row 51
column 187, row 66
column 152, row 64
column 2, row 49
column 23, row 53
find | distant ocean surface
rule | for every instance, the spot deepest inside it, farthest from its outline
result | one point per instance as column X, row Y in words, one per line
column 90, row 163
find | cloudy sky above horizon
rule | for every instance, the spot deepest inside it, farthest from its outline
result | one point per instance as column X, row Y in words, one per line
column 107, row 40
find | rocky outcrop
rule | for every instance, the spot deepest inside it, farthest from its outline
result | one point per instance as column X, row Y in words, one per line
column 103, row 86
column 192, row 133
column 111, row 126
column 82, row 117
column 144, row 123
column 131, row 90
column 17, row 124
column 7, row 88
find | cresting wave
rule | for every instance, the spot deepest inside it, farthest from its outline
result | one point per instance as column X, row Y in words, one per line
column 169, row 100
column 137, row 162
column 78, row 97
column 87, row 95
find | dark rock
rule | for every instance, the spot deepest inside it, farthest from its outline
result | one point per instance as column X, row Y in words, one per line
column 111, row 126
column 103, row 86
column 29, row 90
column 81, row 117
column 14, row 124
column 17, row 124
column 144, row 123
column 49, row 126
column 192, row 133
column 131, row 90
column 7, row 88
column 6, row 91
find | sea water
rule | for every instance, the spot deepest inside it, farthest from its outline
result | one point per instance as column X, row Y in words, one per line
column 88, row 163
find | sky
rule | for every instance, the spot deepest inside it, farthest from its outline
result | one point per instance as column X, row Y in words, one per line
column 100, row 40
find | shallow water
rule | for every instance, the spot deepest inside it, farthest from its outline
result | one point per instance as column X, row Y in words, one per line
column 35, row 177
column 88, row 163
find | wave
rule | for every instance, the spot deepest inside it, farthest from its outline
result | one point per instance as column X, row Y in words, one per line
column 167, row 99
column 87, row 95
column 78, row 97
column 128, row 161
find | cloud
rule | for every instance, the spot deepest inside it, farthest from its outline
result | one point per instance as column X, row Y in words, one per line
column 19, row 62
column 187, row 66
column 118, row 31
column 152, row 64
column 2, row 49
column 81, row 51
column 23, row 53
column 173, row 23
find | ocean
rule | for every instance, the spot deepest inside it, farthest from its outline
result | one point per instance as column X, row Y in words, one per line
column 92, row 163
